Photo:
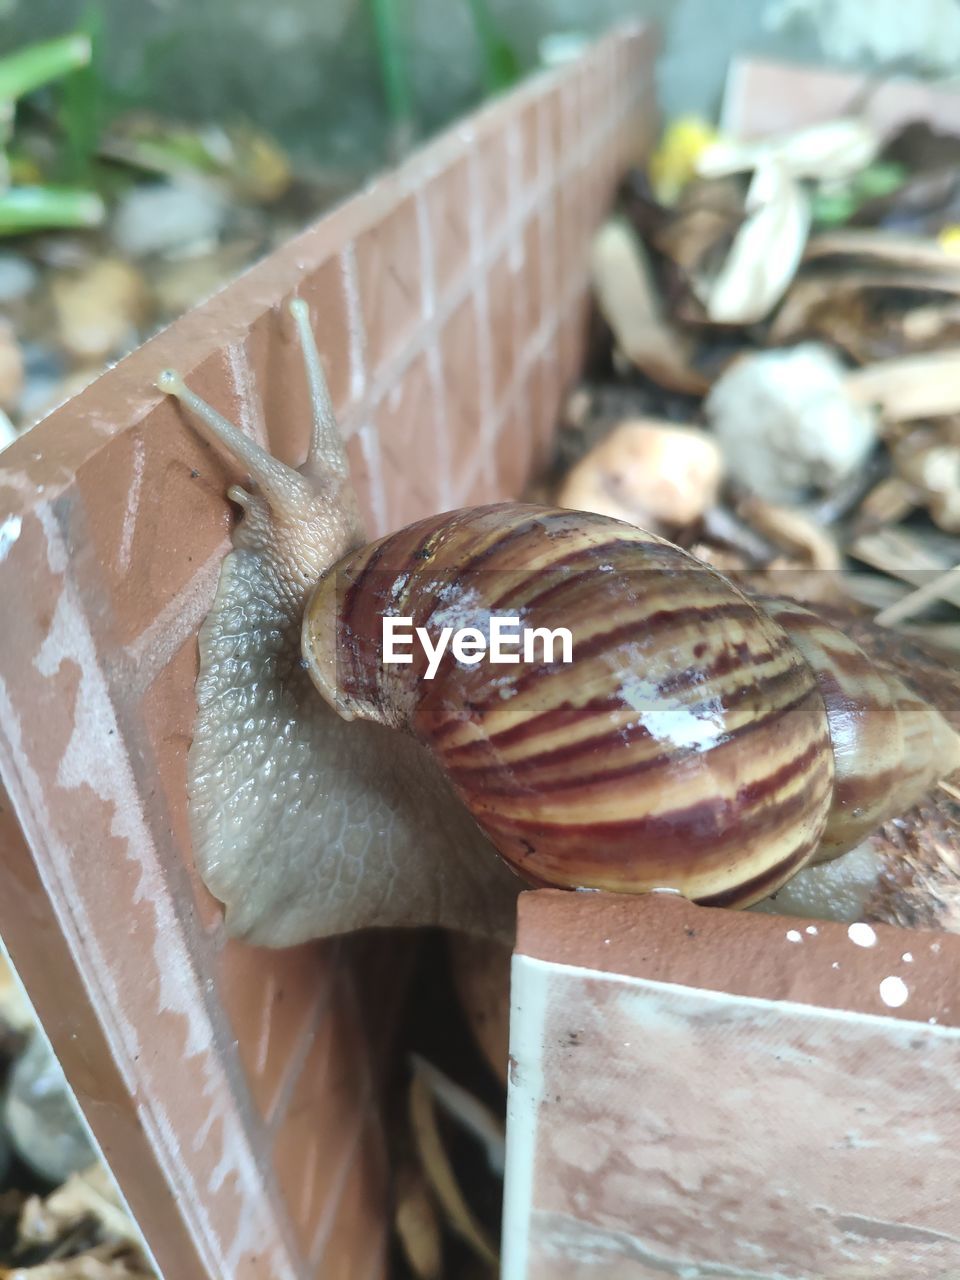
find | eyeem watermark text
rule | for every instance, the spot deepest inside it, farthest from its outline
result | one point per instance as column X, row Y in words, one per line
column 505, row 642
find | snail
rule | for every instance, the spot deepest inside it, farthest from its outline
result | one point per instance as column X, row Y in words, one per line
column 700, row 740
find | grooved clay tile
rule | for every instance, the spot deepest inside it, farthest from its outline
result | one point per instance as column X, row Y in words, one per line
column 408, row 427
column 704, row 1092
column 390, row 280
column 233, row 1091
column 448, row 212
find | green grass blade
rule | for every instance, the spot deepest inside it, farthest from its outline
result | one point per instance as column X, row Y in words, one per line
column 25, row 209
column 38, row 64
column 501, row 66
column 394, row 73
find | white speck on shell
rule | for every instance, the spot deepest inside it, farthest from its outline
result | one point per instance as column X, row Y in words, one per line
column 812, row 930
column 907, row 957
column 794, row 936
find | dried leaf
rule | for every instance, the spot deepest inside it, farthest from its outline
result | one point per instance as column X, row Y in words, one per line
column 104, row 1262
column 703, row 224
column 889, row 248
column 417, row 1226
column 469, row 1112
column 829, row 152
column 628, row 301
column 932, row 466
column 911, row 555
column 794, row 531
column 439, row 1171
column 867, row 312
column 87, row 1195
column 946, row 586
column 765, row 253
column 910, row 387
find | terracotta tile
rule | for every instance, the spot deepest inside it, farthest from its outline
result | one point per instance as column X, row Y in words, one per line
column 502, row 284
column 493, row 171
column 355, row 1249
column 272, row 999
column 572, row 339
column 168, row 709
column 514, row 451
column 551, row 134
column 408, row 430
column 534, row 311
column 389, row 282
column 366, row 467
column 121, row 548
column 447, row 197
column 322, row 1124
column 543, row 407
column 529, row 164
column 149, row 508
column 461, row 380
column 275, row 362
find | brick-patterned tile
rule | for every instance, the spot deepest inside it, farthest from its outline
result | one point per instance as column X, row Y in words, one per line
column 534, row 309
column 513, row 451
column 408, row 430
column 447, row 197
column 323, row 1122
column 138, row 500
column 355, row 1248
column 503, row 281
column 551, row 133
column 529, row 160
column 275, row 362
column 271, row 999
column 148, row 511
column 461, row 379
column 543, row 407
column 366, row 467
column 493, row 168
column 389, row 279
column 573, row 336
column 168, row 709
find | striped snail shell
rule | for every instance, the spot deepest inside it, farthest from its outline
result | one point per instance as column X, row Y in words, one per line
column 700, row 740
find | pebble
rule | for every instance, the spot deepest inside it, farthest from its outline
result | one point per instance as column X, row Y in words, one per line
column 18, row 278
column 99, row 310
column 786, row 424
column 167, row 217
column 11, row 367
column 41, row 1117
column 649, row 473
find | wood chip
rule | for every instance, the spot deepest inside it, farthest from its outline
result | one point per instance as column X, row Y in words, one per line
column 628, row 300
column 910, row 387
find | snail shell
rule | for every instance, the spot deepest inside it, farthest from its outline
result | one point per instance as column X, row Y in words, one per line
column 701, row 740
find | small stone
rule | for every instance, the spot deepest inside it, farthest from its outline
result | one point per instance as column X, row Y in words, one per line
column 649, row 473
column 99, row 310
column 787, row 425
column 11, row 367
column 41, row 1116
column 18, row 278
column 167, row 217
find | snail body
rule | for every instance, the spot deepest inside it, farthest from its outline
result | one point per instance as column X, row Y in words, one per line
column 700, row 740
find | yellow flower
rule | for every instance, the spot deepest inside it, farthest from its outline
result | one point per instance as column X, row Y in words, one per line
column 948, row 238
column 674, row 162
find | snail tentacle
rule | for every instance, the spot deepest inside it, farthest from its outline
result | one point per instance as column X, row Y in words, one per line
column 326, row 456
